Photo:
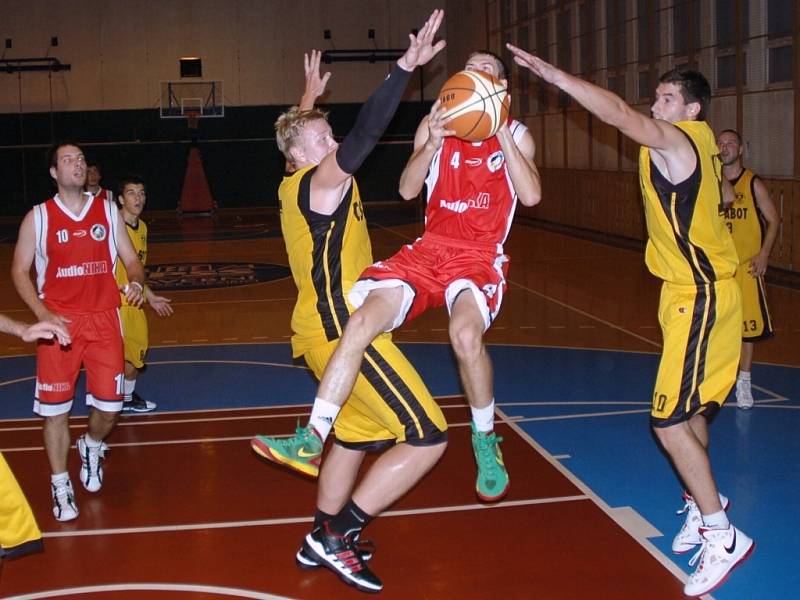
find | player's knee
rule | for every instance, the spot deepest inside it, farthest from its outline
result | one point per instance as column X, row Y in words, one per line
column 362, row 327
column 467, row 342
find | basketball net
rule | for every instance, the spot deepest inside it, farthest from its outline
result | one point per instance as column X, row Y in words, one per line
column 193, row 118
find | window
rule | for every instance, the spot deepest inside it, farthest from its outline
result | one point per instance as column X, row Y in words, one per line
column 543, row 50
column 685, row 19
column 726, row 71
column 726, row 22
column 586, row 20
column 648, row 27
column 780, row 64
column 616, row 48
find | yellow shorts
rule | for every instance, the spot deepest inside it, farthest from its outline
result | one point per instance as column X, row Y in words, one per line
column 134, row 332
column 702, row 343
column 756, row 322
column 389, row 402
column 18, row 530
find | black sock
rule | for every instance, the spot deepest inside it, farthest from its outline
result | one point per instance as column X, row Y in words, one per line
column 350, row 520
column 319, row 517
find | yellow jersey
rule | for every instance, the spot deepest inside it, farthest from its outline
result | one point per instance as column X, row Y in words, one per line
column 138, row 237
column 327, row 253
column 688, row 241
column 744, row 219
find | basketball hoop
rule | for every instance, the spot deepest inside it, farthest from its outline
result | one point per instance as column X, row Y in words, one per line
column 193, row 118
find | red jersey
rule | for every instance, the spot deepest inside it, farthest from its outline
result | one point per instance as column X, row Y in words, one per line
column 105, row 194
column 75, row 256
column 469, row 191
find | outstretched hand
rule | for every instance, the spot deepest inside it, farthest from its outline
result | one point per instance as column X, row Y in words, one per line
column 315, row 85
column 160, row 304
column 535, row 64
column 421, row 48
column 46, row 330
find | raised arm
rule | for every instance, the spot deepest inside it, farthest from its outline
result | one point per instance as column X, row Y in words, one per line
column 660, row 136
column 337, row 167
column 315, row 85
column 758, row 266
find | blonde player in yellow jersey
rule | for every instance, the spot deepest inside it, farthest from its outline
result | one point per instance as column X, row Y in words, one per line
column 388, row 406
column 132, row 198
column 691, row 250
column 753, row 222
column 19, row 533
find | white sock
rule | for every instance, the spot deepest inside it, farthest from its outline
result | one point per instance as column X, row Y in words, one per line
column 744, row 376
column 57, row 478
column 323, row 414
column 127, row 389
column 717, row 520
column 483, row 417
column 91, row 442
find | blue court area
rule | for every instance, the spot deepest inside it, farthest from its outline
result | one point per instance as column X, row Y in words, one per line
column 587, row 408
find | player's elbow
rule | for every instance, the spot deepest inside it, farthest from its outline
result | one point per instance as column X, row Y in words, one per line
column 408, row 193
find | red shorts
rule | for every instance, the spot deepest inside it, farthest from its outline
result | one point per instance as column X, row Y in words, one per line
column 433, row 271
column 97, row 344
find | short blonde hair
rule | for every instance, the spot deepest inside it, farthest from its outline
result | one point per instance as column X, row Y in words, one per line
column 289, row 127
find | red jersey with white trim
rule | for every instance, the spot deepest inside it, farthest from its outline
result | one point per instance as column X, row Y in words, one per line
column 105, row 194
column 75, row 256
column 469, row 191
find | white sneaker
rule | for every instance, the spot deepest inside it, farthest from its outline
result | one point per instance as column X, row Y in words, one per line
column 744, row 394
column 91, row 474
column 64, row 506
column 721, row 552
column 689, row 535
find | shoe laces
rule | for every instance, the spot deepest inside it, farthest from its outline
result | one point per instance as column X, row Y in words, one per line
column 62, row 492
column 690, row 505
column 698, row 556
column 303, row 436
column 94, row 455
column 487, row 450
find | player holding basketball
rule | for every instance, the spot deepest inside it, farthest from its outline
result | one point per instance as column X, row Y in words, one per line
column 19, row 533
column 689, row 247
column 75, row 239
column 388, row 406
column 461, row 251
column 746, row 219
column 132, row 198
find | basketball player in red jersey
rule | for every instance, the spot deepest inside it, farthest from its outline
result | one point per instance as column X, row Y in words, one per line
column 93, row 177
column 472, row 193
column 75, row 239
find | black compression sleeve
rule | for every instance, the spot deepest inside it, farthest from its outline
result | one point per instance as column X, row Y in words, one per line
column 373, row 118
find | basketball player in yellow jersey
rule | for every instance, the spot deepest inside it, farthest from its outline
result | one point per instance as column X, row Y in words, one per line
column 132, row 198
column 387, row 406
column 19, row 533
column 691, row 250
column 753, row 222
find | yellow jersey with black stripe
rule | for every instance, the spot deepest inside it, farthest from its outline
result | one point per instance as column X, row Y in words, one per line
column 327, row 253
column 138, row 236
column 689, row 243
column 744, row 219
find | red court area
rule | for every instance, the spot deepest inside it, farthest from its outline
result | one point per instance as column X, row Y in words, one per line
column 198, row 515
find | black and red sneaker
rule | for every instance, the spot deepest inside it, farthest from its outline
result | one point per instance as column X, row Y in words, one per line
column 365, row 549
column 341, row 555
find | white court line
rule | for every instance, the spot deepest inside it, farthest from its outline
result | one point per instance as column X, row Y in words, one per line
column 615, row 413
column 176, row 442
column 615, row 515
column 294, row 520
column 585, row 314
column 154, row 587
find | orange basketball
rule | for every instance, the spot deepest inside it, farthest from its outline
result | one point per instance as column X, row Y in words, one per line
column 477, row 104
